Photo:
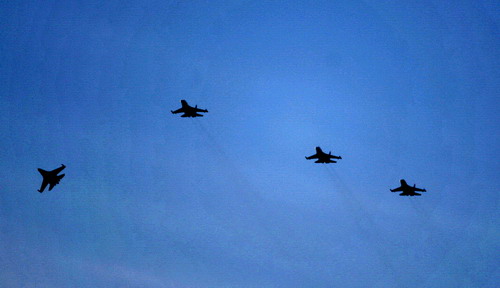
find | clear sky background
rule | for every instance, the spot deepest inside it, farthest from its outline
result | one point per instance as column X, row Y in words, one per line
column 400, row 89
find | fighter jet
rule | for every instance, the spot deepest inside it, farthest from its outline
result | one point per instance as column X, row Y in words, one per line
column 188, row 110
column 51, row 177
column 323, row 157
column 407, row 189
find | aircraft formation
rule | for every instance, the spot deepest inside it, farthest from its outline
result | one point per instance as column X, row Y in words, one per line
column 51, row 178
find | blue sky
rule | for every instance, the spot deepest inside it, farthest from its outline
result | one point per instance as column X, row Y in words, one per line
column 399, row 89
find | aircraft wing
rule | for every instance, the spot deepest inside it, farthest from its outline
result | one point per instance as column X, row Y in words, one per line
column 397, row 189
column 315, row 156
column 56, row 171
column 44, row 184
column 178, row 111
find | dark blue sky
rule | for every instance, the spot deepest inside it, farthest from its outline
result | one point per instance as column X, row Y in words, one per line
column 399, row 89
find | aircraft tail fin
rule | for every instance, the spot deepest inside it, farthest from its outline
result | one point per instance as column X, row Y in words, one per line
column 184, row 103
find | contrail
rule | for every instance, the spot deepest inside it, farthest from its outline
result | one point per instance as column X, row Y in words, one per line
column 211, row 141
column 248, row 193
column 356, row 206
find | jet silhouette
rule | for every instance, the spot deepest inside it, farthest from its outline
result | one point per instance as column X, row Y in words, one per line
column 323, row 157
column 188, row 110
column 407, row 189
column 51, row 177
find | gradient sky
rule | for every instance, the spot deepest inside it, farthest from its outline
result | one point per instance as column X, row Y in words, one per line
column 399, row 89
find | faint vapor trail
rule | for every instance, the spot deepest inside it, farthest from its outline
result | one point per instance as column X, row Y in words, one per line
column 233, row 170
column 423, row 214
column 213, row 143
column 420, row 210
column 355, row 205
